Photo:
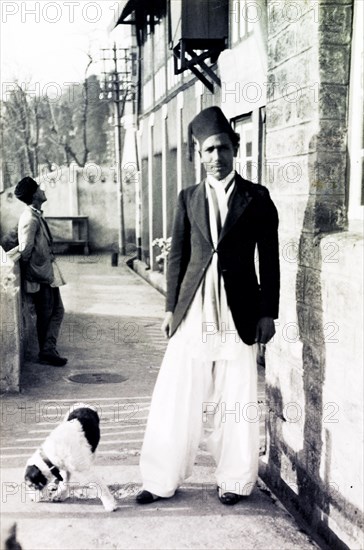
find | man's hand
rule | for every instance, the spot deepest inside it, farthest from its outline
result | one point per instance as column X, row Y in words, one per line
column 265, row 330
column 167, row 324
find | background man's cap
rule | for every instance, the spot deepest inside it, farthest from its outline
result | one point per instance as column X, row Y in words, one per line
column 25, row 189
column 207, row 123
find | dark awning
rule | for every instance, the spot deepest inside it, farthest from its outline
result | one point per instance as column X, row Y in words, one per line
column 128, row 10
column 141, row 9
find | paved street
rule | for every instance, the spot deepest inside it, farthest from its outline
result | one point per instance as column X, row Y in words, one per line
column 111, row 336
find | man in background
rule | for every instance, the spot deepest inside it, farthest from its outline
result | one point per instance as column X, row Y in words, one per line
column 40, row 274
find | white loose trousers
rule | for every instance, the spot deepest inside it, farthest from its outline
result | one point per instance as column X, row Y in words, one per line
column 208, row 378
column 190, row 395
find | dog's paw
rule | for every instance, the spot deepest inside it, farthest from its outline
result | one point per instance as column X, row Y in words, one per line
column 59, row 496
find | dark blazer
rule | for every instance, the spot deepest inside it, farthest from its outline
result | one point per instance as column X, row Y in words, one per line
column 252, row 220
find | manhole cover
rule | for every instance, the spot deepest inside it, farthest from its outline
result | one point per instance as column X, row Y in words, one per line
column 97, row 378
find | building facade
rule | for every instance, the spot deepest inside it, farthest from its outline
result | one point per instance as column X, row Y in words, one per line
column 289, row 76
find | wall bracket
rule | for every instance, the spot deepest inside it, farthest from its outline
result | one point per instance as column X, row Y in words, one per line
column 187, row 58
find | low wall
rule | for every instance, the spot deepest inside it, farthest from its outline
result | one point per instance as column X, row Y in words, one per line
column 11, row 322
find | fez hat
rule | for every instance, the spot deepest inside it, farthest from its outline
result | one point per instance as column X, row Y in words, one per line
column 25, row 189
column 207, row 123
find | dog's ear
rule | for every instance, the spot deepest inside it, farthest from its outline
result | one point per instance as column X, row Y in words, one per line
column 34, row 476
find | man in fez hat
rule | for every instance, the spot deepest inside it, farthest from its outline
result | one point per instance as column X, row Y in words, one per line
column 216, row 313
column 40, row 273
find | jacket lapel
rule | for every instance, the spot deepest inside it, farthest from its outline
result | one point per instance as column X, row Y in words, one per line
column 199, row 210
column 240, row 199
column 46, row 229
column 43, row 224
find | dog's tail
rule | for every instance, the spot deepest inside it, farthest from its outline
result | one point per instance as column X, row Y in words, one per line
column 80, row 405
column 11, row 542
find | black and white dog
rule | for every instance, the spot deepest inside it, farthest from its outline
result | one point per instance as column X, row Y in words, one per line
column 69, row 448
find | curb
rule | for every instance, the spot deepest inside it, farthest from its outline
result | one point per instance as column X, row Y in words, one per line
column 157, row 280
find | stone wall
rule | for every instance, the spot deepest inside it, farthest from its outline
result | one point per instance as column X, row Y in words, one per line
column 11, row 322
column 18, row 334
column 313, row 372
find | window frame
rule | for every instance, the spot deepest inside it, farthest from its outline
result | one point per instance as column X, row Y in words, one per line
column 255, row 119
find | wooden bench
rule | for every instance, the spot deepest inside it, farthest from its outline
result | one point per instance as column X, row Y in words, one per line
column 79, row 231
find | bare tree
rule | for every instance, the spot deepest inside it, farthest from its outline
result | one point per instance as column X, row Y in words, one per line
column 21, row 124
column 64, row 139
column 37, row 131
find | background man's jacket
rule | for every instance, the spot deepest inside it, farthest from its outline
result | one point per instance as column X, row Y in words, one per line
column 35, row 246
column 252, row 220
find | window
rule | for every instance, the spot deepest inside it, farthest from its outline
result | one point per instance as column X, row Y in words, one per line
column 243, row 15
column 148, row 95
column 159, row 43
column 148, row 55
column 248, row 161
column 197, row 163
column 173, row 79
column 160, row 83
column 154, row 63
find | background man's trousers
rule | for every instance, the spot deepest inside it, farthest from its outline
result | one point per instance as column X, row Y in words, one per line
column 50, row 311
column 190, row 395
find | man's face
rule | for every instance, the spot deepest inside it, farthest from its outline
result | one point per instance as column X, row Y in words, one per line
column 39, row 197
column 217, row 154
